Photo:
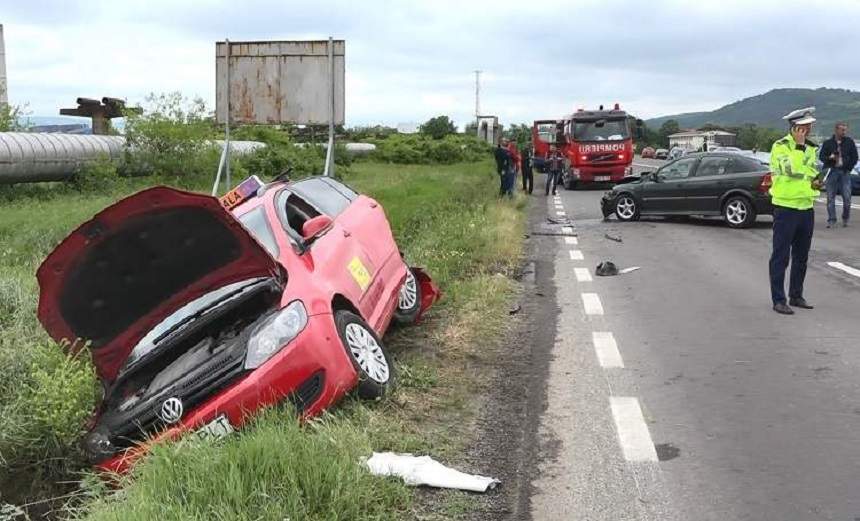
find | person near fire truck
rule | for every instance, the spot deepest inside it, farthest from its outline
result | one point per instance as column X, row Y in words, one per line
column 516, row 159
column 503, row 164
column 554, row 163
column 526, row 168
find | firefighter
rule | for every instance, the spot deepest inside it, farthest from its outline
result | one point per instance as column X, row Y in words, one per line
column 794, row 190
column 528, row 175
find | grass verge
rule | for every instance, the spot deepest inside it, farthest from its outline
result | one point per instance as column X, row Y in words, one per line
column 446, row 218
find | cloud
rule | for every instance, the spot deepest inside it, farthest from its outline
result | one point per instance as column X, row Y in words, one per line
column 409, row 61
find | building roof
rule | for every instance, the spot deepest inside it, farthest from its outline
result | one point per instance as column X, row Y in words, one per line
column 693, row 133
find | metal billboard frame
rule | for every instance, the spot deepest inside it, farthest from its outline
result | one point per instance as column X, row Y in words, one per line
column 268, row 82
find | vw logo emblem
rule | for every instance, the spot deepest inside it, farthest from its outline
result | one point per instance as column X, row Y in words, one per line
column 171, row 410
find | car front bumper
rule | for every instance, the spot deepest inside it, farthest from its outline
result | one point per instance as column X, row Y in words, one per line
column 313, row 370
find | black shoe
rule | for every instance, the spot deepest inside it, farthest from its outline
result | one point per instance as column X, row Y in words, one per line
column 800, row 303
column 783, row 309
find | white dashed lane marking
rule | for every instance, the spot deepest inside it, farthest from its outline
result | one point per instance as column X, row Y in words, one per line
column 571, row 240
column 582, row 274
column 560, row 213
column 576, row 255
column 633, row 433
column 838, row 202
column 607, row 350
column 591, row 303
column 844, row 267
column 566, row 229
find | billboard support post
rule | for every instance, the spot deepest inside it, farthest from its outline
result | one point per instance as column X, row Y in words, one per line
column 329, row 155
column 224, row 161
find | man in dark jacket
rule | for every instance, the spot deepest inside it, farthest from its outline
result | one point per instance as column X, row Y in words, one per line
column 839, row 155
column 503, row 164
column 528, row 176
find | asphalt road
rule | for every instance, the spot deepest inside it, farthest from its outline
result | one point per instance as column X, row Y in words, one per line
column 675, row 392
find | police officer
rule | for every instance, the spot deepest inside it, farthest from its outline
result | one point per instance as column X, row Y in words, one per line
column 795, row 188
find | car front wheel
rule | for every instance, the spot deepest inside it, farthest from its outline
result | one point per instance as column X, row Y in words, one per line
column 408, row 300
column 738, row 212
column 626, row 208
column 367, row 353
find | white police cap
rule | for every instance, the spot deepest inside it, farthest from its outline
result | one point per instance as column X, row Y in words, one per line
column 801, row 116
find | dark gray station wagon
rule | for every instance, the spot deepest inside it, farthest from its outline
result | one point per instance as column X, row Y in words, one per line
column 727, row 184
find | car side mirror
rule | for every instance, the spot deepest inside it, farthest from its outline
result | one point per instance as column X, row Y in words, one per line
column 315, row 227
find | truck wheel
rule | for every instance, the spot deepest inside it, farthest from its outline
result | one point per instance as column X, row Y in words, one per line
column 367, row 353
column 626, row 208
column 738, row 212
column 569, row 184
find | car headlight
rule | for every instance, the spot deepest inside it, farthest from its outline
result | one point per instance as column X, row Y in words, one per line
column 274, row 333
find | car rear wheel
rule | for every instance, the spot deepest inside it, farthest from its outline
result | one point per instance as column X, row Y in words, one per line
column 738, row 212
column 367, row 353
column 409, row 300
column 626, row 208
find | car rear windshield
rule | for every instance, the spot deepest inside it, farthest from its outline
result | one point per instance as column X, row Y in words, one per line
column 601, row 130
column 255, row 222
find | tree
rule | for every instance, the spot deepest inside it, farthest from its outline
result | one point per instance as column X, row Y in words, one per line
column 521, row 133
column 10, row 117
column 471, row 129
column 669, row 127
column 438, row 127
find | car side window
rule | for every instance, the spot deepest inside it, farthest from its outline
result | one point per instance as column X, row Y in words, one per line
column 742, row 165
column 322, row 195
column 294, row 212
column 344, row 190
column 677, row 170
column 712, row 166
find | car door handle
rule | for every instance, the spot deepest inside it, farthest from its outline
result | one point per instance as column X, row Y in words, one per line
column 373, row 205
column 346, row 233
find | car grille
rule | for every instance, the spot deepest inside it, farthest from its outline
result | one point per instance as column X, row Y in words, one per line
column 193, row 391
column 603, row 158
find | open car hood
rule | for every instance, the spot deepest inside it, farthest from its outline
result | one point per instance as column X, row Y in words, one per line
column 122, row 272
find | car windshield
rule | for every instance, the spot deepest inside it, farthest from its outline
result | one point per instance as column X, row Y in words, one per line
column 601, row 130
column 183, row 316
column 255, row 222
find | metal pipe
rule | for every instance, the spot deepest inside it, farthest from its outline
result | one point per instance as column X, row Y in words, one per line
column 32, row 157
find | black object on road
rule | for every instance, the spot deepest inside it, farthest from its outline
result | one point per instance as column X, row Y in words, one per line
column 606, row 269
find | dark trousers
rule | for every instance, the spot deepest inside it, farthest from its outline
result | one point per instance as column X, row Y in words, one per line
column 528, row 180
column 508, row 180
column 792, row 237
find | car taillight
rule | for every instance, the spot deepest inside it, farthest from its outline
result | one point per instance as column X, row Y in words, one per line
column 766, row 182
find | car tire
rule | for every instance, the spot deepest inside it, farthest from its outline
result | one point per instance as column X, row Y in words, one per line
column 626, row 208
column 408, row 300
column 739, row 212
column 367, row 354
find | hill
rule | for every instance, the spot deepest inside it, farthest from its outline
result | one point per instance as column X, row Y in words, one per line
column 766, row 110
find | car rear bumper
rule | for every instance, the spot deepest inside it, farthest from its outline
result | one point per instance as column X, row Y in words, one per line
column 313, row 370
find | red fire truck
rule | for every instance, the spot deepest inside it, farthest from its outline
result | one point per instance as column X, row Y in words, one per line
column 597, row 144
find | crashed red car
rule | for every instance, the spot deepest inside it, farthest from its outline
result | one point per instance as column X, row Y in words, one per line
column 199, row 312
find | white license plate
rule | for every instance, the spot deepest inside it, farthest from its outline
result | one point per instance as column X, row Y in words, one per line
column 216, row 429
column 601, row 178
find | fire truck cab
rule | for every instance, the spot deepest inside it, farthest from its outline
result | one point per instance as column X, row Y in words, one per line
column 597, row 145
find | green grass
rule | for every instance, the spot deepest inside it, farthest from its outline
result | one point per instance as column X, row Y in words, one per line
column 446, row 219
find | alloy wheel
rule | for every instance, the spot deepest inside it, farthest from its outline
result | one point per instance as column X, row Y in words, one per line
column 625, row 207
column 367, row 353
column 408, row 293
column 736, row 212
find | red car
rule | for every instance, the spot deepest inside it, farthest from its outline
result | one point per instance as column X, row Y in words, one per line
column 199, row 312
column 647, row 152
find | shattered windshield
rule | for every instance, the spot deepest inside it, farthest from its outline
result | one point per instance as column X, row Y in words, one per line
column 601, row 130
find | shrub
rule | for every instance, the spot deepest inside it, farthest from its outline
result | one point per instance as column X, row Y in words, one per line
column 412, row 149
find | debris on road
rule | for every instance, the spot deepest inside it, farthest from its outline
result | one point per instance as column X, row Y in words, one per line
column 609, row 269
column 560, row 220
column 514, row 309
column 613, row 238
column 424, row 470
column 606, row 269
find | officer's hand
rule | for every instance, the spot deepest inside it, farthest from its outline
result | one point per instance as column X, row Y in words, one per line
column 799, row 134
column 817, row 184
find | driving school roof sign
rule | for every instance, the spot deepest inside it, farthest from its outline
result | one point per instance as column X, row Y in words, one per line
column 279, row 82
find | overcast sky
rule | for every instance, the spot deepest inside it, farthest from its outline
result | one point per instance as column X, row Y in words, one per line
column 410, row 60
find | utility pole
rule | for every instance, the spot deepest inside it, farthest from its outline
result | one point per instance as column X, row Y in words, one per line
column 477, row 94
column 3, row 95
